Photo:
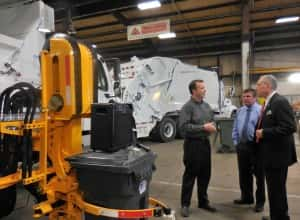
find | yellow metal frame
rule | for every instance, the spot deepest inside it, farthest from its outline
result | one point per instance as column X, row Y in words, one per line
column 57, row 135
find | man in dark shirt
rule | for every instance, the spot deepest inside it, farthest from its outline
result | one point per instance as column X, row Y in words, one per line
column 196, row 123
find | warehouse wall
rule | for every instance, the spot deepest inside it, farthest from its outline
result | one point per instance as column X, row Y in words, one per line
column 230, row 69
column 232, row 63
column 282, row 58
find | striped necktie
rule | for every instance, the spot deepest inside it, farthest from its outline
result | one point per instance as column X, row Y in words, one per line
column 244, row 135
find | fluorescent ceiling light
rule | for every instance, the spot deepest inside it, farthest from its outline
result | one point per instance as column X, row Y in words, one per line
column 167, row 35
column 44, row 30
column 149, row 5
column 294, row 78
column 287, row 19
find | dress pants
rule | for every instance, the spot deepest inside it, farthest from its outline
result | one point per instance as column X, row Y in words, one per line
column 276, row 183
column 250, row 164
column 197, row 161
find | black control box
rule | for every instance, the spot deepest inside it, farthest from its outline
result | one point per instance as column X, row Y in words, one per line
column 111, row 126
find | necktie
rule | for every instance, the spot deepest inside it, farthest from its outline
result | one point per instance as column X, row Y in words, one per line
column 244, row 135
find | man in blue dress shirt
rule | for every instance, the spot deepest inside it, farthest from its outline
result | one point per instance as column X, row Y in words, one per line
column 248, row 154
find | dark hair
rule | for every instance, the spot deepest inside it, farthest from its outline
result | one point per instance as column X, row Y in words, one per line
column 250, row 90
column 193, row 84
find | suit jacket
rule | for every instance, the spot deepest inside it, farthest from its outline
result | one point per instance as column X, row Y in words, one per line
column 278, row 124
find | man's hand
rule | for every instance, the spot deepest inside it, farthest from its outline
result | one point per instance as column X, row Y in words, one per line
column 259, row 135
column 209, row 127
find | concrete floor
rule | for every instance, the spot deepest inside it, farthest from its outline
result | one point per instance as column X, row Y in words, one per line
column 166, row 185
column 223, row 189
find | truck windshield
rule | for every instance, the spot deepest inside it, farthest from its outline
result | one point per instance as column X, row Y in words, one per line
column 102, row 80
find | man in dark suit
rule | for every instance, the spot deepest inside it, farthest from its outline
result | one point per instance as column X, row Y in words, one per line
column 274, row 135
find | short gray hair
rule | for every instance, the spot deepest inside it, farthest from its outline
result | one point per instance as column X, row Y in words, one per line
column 270, row 79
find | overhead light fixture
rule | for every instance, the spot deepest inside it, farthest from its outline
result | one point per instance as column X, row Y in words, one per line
column 149, row 5
column 287, row 19
column 294, row 78
column 167, row 35
column 94, row 46
column 44, row 30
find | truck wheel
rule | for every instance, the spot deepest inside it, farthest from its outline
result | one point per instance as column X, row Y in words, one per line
column 8, row 196
column 166, row 130
column 7, row 200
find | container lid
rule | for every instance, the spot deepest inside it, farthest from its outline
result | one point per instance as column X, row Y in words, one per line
column 131, row 159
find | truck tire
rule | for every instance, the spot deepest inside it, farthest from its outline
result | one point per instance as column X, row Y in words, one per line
column 165, row 131
column 8, row 196
column 7, row 200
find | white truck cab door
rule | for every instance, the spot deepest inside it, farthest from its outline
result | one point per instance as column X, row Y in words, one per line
column 105, row 82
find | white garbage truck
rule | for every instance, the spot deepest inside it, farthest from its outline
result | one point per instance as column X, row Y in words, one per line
column 157, row 87
column 22, row 39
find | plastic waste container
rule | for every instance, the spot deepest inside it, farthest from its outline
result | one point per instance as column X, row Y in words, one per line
column 118, row 180
column 226, row 142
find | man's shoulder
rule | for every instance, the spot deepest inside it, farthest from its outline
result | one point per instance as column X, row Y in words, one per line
column 279, row 102
column 188, row 104
column 278, row 99
column 241, row 109
column 257, row 106
column 205, row 103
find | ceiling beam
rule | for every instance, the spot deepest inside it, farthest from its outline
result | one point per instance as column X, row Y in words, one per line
column 283, row 40
column 121, row 18
column 92, row 8
column 206, row 18
column 261, row 25
column 268, row 40
column 205, row 22
column 169, row 15
column 189, row 54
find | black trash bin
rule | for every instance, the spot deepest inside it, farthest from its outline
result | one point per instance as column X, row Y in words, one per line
column 117, row 180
